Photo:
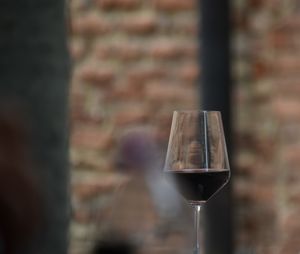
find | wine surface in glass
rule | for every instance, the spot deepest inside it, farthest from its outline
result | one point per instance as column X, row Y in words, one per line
column 198, row 185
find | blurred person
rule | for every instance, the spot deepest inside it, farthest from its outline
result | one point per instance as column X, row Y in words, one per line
column 20, row 202
column 139, row 154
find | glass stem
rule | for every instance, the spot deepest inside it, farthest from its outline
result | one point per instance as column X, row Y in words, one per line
column 197, row 229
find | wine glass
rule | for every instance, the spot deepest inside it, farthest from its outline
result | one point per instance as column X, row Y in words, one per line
column 197, row 160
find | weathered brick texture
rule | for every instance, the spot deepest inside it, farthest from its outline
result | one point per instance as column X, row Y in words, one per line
column 135, row 61
column 267, row 123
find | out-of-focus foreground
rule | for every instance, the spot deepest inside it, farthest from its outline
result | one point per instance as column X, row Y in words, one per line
column 134, row 63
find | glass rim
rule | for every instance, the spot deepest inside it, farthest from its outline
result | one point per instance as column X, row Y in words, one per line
column 196, row 111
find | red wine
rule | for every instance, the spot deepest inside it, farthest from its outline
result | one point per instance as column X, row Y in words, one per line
column 198, row 185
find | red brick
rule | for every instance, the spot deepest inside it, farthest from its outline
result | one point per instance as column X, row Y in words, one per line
column 287, row 86
column 118, row 4
column 287, row 64
column 80, row 113
column 292, row 23
column 91, row 160
column 292, row 174
column 281, row 28
column 188, row 27
column 104, row 51
column 77, row 6
column 278, row 39
column 290, row 44
column 81, row 116
column 164, row 120
column 90, row 24
column 264, row 147
column 129, row 52
column 77, row 108
column 290, row 245
column 257, row 46
column 175, row 5
column 255, row 4
column 164, row 50
column 260, row 223
column 77, row 49
column 290, row 155
column 94, row 114
column 240, row 21
column 245, row 139
column 260, row 69
column 85, row 214
column 124, row 51
column 81, row 216
column 141, row 74
column 265, row 194
column 244, row 163
column 189, row 72
column 132, row 115
column 77, row 100
column 262, row 93
column 291, row 133
column 290, row 222
column 162, row 92
column 125, row 92
column 286, row 109
column 169, row 50
column 97, row 76
column 96, row 186
column 189, row 50
column 142, row 24
column 260, row 193
column 294, row 196
column 249, row 224
column 91, row 138
column 240, row 95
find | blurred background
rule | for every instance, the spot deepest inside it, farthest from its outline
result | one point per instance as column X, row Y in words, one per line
column 134, row 62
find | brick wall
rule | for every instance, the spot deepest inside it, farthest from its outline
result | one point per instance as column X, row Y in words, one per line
column 136, row 61
column 267, row 121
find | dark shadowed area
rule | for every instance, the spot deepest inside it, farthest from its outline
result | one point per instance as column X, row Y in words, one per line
column 34, row 76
